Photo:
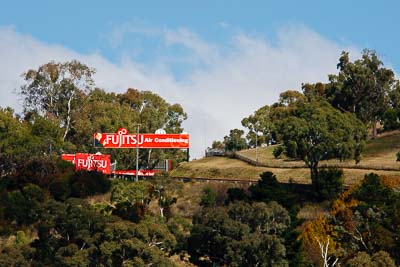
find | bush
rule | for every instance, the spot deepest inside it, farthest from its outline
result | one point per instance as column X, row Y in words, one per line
column 267, row 189
column 131, row 212
column 390, row 120
column 398, row 156
column 131, row 200
column 85, row 184
column 373, row 191
column 209, row 198
column 329, row 184
column 60, row 189
column 277, row 151
column 24, row 206
column 291, row 149
column 40, row 171
column 381, row 258
column 236, row 194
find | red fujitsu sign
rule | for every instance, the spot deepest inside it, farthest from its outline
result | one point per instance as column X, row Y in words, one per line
column 93, row 162
column 122, row 139
column 89, row 162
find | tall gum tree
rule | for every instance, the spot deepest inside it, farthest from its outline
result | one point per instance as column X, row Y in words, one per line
column 362, row 87
column 54, row 88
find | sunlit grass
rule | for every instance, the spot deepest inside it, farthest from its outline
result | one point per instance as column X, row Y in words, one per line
column 221, row 167
column 379, row 157
column 379, row 153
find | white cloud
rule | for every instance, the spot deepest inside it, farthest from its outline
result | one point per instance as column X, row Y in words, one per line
column 237, row 78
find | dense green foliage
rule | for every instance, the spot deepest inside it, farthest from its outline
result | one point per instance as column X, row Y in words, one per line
column 316, row 131
column 241, row 234
column 362, row 87
column 72, row 232
column 51, row 215
column 43, row 199
column 235, row 140
column 208, row 199
column 372, row 224
column 329, row 121
column 329, row 184
column 63, row 108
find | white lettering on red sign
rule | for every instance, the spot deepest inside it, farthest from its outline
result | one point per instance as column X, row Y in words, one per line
column 122, row 139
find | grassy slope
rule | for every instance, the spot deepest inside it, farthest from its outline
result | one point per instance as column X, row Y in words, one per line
column 380, row 152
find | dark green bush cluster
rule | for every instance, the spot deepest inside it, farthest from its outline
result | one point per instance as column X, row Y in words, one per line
column 80, row 184
column 269, row 189
column 57, row 177
column 391, row 120
column 240, row 234
column 278, row 151
column 22, row 206
column 329, row 184
column 209, row 197
column 85, row 184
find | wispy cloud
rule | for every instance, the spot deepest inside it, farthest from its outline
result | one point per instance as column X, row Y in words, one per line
column 223, row 24
column 198, row 52
column 234, row 79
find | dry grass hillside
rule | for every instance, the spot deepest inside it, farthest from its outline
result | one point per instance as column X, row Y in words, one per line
column 379, row 154
column 379, row 157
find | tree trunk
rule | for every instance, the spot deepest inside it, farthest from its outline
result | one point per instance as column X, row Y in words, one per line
column 314, row 174
column 67, row 126
column 162, row 212
column 149, row 158
column 374, row 128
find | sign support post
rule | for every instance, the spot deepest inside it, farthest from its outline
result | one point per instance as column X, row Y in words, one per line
column 137, row 154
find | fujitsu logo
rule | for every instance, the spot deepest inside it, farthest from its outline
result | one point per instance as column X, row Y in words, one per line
column 122, row 138
column 91, row 163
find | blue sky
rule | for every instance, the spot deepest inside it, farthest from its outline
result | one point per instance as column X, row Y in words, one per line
column 83, row 25
column 220, row 59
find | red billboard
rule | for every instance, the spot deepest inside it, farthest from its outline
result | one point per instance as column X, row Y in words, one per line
column 68, row 157
column 122, row 139
column 93, row 162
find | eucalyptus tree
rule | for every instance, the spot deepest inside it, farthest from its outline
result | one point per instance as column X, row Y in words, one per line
column 363, row 87
column 54, row 90
column 317, row 131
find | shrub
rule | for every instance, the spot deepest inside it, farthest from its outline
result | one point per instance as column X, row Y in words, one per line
column 373, row 191
column 236, row 194
column 329, row 184
column 60, row 189
column 277, row 151
column 267, row 189
column 398, row 156
column 390, row 120
column 40, row 171
column 209, row 198
column 131, row 200
column 85, row 184
column 24, row 206
column 132, row 212
column 291, row 149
